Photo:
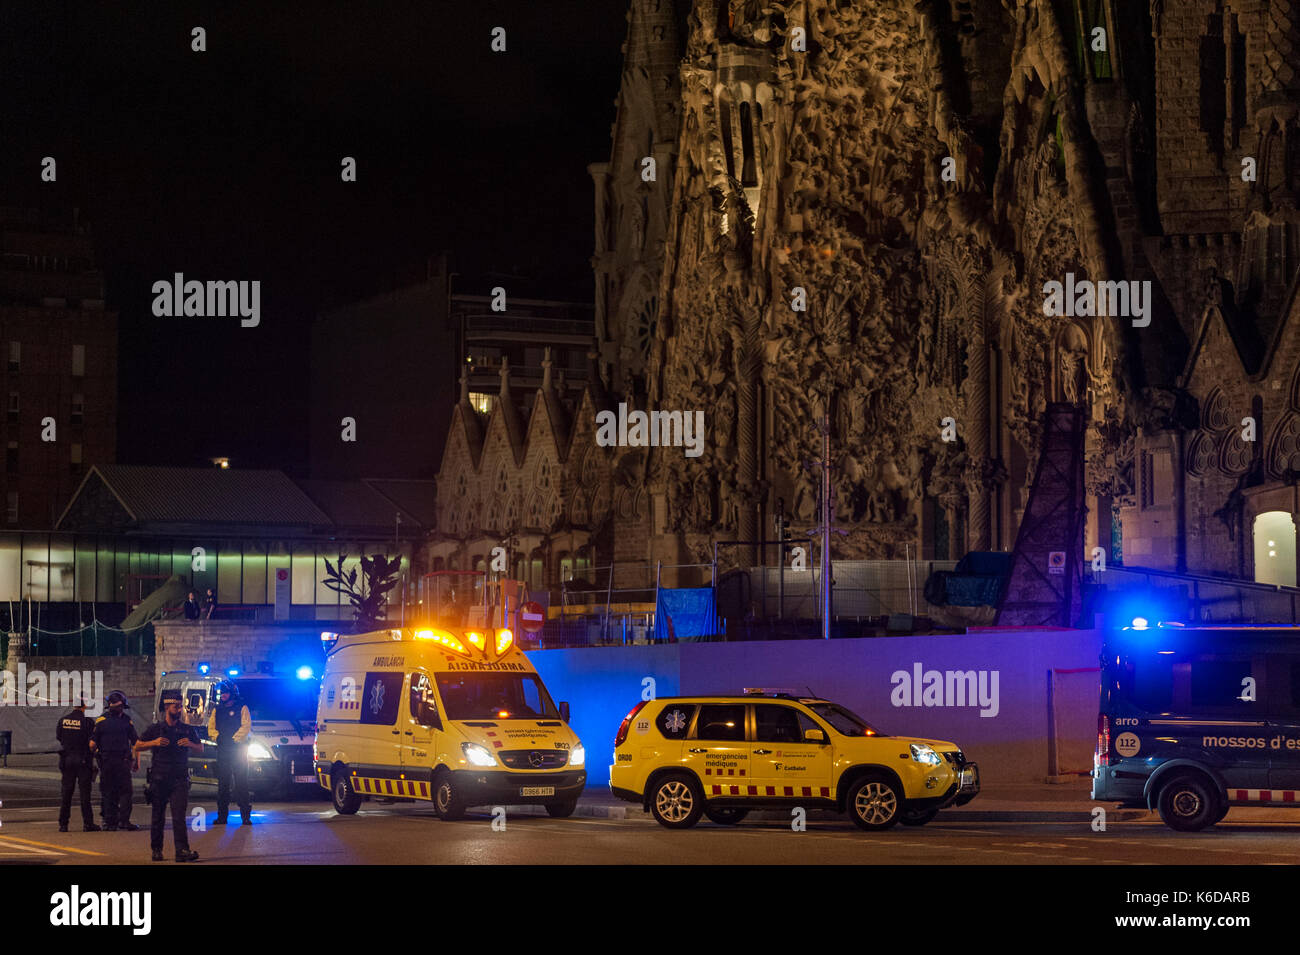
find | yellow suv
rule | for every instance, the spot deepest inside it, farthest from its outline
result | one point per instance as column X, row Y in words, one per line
column 722, row 756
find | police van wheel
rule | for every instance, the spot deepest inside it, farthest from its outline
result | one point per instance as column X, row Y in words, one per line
column 346, row 801
column 447, row 801
column 917, row 817
column 676, row 801
column 1188, row 804
column 1223, row 811
column 561, row 810
column 875, row 803
column 725, row 815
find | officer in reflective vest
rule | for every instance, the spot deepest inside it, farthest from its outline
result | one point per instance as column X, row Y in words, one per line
column 229, row 726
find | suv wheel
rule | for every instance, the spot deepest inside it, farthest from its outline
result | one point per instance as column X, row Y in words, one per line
column 1188, row 804
column 345, row 798
column 676, row 801
column 725, row 815
column 875, row 803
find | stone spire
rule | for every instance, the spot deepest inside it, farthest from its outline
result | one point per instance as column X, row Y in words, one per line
column 546, row 369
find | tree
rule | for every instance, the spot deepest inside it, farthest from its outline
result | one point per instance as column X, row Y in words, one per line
column 379, row 576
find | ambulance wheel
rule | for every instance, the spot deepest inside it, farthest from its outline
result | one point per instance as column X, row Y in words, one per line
column 676, row 801
column 725, row 815
column 346, row 801
column 447, row 800
column 561, row 810
column 1188, row 804
column 917, row 817
column 875, row 803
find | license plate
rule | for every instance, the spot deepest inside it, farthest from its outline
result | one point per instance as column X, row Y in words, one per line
column 305, row 779
column 537, row 791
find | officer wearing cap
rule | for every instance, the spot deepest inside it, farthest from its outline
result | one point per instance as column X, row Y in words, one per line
column 112, row 741
column 172, row 740
column 229, row 726
column 76, row 765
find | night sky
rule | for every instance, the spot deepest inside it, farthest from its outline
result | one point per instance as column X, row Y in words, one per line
column 225, row 165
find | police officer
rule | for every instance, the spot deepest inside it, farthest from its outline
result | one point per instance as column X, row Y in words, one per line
column 112, row 741
column 229, row 726
column 76, row 765
column 172, row 740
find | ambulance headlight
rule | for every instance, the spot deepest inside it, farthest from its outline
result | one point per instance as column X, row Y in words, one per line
column 258, row 751
column 577, row 756
column 477, row 755
column 924, row 753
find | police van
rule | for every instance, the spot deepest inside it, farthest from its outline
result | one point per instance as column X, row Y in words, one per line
column 282, row 710
column 1194, row 721
column 457, row 720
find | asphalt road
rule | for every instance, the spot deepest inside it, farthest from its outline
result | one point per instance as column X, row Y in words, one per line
column 311, row 833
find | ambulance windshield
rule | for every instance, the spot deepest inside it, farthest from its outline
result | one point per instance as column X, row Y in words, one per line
column 495, row 696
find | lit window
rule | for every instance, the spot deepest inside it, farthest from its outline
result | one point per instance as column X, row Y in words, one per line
column 15, row 356
column 78, row 408
column 78, row 361
column 76, row 454
column 482, row 403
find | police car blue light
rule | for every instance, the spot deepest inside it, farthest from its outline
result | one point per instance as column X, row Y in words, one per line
column 305, row 673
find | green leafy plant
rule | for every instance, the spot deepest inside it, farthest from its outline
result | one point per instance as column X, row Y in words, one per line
column 379, row 575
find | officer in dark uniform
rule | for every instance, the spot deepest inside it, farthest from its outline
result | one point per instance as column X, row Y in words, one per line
column 76, row 765
column 172, row 740
column 229, row 726
column 112, row 741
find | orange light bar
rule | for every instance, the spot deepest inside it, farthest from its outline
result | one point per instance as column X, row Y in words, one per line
column 446, row 639
column 476, row 639
column 504, row 639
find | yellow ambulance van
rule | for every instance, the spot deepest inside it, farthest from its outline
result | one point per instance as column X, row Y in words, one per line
column 460, row 721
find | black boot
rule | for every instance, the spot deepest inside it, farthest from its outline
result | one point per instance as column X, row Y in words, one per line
column 186, row 855
column 129, row 827
column 90, row 827
column 220, row 820
column 247, row 816
column 157, row 855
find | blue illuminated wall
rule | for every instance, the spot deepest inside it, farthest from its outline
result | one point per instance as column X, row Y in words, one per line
column 602, row 684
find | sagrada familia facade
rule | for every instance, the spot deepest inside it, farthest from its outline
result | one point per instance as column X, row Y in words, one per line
column 849, row 210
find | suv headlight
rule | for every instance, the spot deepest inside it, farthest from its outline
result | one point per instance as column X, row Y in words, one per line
column 258, row 751
column 924, row 753
column 577, row 756
column 477, row 755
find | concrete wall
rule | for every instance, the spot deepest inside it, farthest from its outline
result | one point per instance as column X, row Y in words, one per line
column 602, row 684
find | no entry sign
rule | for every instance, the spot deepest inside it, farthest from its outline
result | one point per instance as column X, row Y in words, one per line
column 531, row 617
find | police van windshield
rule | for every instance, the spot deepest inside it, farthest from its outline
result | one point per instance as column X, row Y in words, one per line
column 276, row 699
column 495, row 696
column 844, row 721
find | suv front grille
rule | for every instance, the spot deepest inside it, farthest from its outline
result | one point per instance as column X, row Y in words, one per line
column 523, row 758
